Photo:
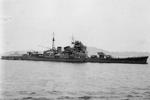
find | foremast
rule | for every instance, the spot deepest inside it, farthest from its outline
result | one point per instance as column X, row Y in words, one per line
column 53, row 42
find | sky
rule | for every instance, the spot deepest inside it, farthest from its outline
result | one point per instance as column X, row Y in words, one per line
column 113, row 25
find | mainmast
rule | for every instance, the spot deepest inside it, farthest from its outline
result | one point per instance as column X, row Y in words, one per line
column 72, row 40
column 53, row 44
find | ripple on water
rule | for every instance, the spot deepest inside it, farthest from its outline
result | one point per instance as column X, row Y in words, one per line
column 62, row 81
column 77, row 95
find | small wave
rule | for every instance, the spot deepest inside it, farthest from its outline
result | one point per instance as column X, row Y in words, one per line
column 54, row 92
column 85, row 97
column 26, row 93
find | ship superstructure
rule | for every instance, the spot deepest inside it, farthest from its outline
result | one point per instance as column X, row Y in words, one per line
column 78, row 50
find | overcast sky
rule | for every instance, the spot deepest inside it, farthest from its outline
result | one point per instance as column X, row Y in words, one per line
column 113, row 25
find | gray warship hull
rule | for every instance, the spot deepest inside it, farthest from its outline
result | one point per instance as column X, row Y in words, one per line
column 130, row 60
column 76, row 53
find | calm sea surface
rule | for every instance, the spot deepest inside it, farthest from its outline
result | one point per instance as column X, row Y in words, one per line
column 33, row 80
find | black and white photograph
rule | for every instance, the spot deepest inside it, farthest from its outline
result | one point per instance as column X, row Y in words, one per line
column 75, row 50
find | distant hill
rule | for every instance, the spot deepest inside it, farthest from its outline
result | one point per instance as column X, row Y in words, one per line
column 93, row 50
column 14, row 53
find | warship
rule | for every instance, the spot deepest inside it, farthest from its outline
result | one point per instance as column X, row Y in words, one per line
column 76, row 53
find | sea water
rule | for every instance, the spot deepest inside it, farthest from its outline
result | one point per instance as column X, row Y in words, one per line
column 38, row 80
